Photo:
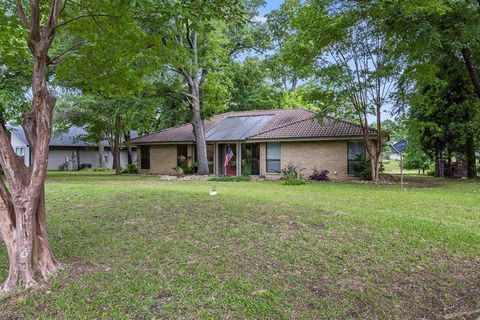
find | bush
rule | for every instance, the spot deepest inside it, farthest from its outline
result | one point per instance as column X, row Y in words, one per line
column 363, row 168
column 319, row 175
column 230, row 179
column 130, row 168
column 189, row 169
column 291, row 175
column 293, row 182
column 291, row 172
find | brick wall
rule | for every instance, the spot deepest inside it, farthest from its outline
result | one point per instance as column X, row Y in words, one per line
column 325, row 155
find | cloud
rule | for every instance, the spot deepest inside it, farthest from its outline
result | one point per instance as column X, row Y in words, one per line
column 259, row 19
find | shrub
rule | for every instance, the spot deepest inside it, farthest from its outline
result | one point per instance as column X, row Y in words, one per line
column 293, row 182
column 291, row 172
column 130, row 168
column 187, row 169
column 291, row 175
column 319, row 175
column 230, row 179
column 363, row 168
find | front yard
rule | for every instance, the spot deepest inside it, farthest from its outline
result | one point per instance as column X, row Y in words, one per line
column 141, row 248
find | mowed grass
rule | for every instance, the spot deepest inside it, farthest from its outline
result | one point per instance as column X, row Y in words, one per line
column 138, row 247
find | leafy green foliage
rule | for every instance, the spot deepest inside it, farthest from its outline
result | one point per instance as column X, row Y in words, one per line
column 363, row 168
column 130, row 168
column 292, row 175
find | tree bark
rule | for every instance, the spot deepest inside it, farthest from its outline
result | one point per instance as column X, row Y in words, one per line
column 199, row 131
column 194, row 79
column 116, row 147
column 471, row 158
column 101, row 155
column 129, row 148
column 472, row 70
column 22, row 206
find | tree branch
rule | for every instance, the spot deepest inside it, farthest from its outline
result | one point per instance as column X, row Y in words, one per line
column 23, row 17
column 85, row 16
column 70, row 50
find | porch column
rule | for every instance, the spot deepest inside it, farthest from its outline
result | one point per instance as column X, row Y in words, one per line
column 239, row 159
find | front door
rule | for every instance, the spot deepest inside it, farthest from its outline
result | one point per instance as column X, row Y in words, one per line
column 227, row 159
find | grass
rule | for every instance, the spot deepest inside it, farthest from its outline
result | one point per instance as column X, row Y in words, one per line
column 393, row 167
column 137, row 247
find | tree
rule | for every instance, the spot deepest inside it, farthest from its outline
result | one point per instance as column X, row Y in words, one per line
column 251, row 88
column 109, row 79
column 22, row 205
column 436, row 35
column 192, row 35
column 346, row 47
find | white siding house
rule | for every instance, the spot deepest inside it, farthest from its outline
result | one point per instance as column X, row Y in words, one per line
column 67, row 150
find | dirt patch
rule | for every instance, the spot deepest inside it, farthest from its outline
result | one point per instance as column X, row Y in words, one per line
column 79, row 269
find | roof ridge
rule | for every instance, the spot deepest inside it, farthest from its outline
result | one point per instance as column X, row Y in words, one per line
column 348, row 122
column 282, row 126
column 161, row 131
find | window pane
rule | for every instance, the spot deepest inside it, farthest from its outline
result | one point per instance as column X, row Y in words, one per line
column 273, row 151
column 273, row 165
column 352, row 165
column 355, row 148
column 145, row 157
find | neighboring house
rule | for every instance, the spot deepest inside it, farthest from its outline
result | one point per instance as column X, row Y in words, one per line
column 265, row 142
column 68, row 152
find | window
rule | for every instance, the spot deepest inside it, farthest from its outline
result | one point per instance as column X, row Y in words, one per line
column 356, row 150
column 273, row 157
column 250, row 159
column 145, row 157
column 20, row 151
column 182, row 155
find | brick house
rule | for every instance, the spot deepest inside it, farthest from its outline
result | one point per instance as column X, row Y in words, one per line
column 262, row 142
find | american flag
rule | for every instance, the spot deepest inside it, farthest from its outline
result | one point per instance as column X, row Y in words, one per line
column 228, row 157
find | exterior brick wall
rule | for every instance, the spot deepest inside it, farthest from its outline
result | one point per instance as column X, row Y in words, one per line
column 324, row 155
column 163, row 158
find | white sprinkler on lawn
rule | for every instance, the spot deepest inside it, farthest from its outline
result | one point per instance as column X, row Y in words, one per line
column 213, row 192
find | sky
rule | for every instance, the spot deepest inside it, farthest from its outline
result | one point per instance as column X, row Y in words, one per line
column 269, row 6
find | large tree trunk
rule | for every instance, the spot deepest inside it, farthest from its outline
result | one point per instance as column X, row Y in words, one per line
column 116, row 147
column 129, row 148
column 22, row 207
column 472, row 70
column 194, row 79
column 199, row 131
column 471, row 158
column 101, row 155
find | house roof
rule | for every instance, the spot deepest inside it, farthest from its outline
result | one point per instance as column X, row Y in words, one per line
column 259, row 125
column 72, row 138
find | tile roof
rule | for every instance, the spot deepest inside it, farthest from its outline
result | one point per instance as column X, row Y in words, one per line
column 281, row 124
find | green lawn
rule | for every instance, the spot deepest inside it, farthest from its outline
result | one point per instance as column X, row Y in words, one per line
column 141, row 248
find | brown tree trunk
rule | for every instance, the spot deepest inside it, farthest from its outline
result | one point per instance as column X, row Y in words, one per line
column 471, row 158
column 101, row 155
column 472, row 70
column 194, row 80
column 129, row 148
column 22, row 207
column 199, row 131
column 116, row 147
